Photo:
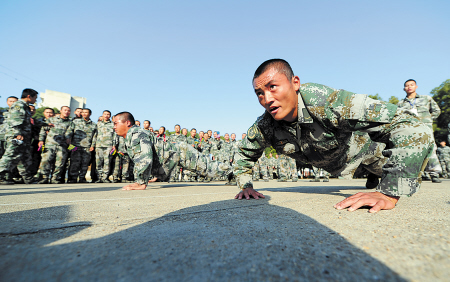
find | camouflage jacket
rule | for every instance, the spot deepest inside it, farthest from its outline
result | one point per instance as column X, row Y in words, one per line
column 204, row 146
column 59, row 133
column 18, row 122
column 192, row 141
column 4, row 117
column 216, row 145
column 427, row 109
column 321, row 134
column 443, row 153
column 177, row 138
column 105, row 135
column 139, row 146
column 83, row 132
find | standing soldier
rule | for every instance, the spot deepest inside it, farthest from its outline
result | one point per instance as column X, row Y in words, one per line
column 103, row 143
column 18, row 136
column 292, row 169
column 427, row 110
column 271, row 165
column 57, row 140
column 147, row 124
column 193, row 141
column 176, row 139
column 443, row 154
column 83, row 134
column 216, row 145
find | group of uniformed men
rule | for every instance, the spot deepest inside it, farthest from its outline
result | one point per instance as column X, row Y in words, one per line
column 338, row 131
column 43, row 150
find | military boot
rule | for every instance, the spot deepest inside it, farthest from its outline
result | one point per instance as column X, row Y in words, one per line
column 82, row 180
column 30, row 180
column 43, row 180
column 435, row 179
column 316, row 179
column 326, row 179
column 4, row 180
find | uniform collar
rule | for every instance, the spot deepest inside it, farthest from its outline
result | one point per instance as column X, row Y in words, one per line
column 302, row 111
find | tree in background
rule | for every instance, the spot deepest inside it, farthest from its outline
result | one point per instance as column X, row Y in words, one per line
column 393, row 100
column 441, row 95
column 376, row 97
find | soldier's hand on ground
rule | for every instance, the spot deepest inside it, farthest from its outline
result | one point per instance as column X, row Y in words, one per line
column 378, row 201
column 91, row 149
column 135, row 186
column 247, row 193
column 19, row 137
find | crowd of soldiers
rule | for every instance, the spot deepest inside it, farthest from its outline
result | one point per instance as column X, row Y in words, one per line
column 49, row 148
column 44, row 150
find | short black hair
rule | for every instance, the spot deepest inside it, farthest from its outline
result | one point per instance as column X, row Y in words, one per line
column 125, row 116
column 279, row 65
column 49, row 109
column 177, row 125
column 64, row 107
column 163, row 127
column 404, row 84
column 14, row 97
column 107, row 111
column 90, row 112
column 148, row 121
column 29, row 91
column 193, row 129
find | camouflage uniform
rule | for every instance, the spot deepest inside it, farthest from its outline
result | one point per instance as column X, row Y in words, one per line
column 272, row 162
column 103, row 142
column 263, row 162
column 176, row 139
column 216, row 145
column 190, row 175
column 121, row 162
column 18, row 123
column 36, row 155
column 141, row 149
column 443, row 154
column 322, row 136
column 292, row 169
column 3, row 117
column 55, row 151
column 283, row 168
column 427, row 110
column 83, row 135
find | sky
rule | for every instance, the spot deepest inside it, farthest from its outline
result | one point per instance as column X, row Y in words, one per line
column 191, row 62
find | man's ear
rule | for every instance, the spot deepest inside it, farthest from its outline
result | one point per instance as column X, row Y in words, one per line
column 129, row 123
column 296, row 82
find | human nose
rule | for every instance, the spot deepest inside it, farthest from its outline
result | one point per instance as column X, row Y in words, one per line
column 268, row 97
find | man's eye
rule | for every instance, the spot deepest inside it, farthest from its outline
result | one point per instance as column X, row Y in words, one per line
column 272, row 87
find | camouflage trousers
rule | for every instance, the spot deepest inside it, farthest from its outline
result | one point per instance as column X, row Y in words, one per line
column 263, row 172
column 293, row 170
column 56, row 155
column 433, row 166
column 102, row 157
column 270, row 172
column 283, row 170
column 182, row 156
column 445, row 165
column 121, row 166
column 79, row 163
column 17, row 156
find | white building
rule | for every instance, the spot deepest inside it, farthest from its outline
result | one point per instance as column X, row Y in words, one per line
column 55, row 99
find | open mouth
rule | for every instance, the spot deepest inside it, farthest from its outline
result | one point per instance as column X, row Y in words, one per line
column 273, row 109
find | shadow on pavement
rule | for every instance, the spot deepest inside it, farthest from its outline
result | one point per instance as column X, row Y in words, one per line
column 328, row 190
column 58, row 188
column 221, row 241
